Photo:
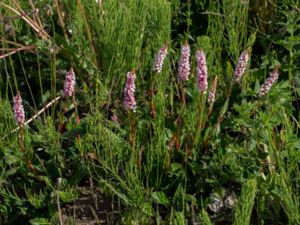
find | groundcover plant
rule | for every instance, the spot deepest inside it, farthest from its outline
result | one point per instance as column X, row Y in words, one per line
column 149, row 112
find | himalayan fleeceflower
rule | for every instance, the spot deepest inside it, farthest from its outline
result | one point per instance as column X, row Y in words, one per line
column 129, row 100
column 265, row 88
column 241, row 66
column 184, row 63
column 201, row 71
column 212, row 93
column 159, row 59
column 18, row 109
column 69, row 83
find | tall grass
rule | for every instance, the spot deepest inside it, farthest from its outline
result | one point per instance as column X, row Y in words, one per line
column 242, row 141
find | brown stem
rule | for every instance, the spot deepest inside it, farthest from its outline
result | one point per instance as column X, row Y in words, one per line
column 61, row 19
column 210, row 110
column 208, row 114
column 22, row 149
column 200, row 112
column 30, row 166
column 199, row 119
column 182, row 93
column 180, row 118
column 177, row 136
column 132, row 127
column 15, row 50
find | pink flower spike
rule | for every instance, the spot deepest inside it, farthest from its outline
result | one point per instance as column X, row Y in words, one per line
column 160, row 58
column 201, row 71
column 69, row 83
column 129, row 90
column 265, row 88
column 212, row 93
column 19, row 109
column 241, row 66
column 184, row 63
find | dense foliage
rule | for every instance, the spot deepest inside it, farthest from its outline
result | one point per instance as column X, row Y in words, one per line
column 178, row 152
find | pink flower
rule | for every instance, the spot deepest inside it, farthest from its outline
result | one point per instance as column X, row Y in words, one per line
column 18, row 109
column 241, row 66
column 69, row 83
column 212, row 93
column 159, row 59
column 201, row 71
column 184, row 63
column 129, row 100
column 265, row 88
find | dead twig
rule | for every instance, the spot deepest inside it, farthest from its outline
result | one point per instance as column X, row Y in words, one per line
column 15, row 50
column 34, row 116
column 40, row 30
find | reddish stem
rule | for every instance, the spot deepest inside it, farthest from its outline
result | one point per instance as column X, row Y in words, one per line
column 200, row 112
column 177, row 136
column 28, row 161
column 180, row 118
column 208, row 114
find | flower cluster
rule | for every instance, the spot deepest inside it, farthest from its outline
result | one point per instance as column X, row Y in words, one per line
column 241, row 66
column 201, row 71
column 184, row 63
column 18, row 109
column 69, row 83
column 212, row 93
column 129, row 100
column 159, row 59
column 265, row 88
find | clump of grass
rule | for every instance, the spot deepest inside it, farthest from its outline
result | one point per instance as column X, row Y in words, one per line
column 205, row 218
column 240, row 140
column 243, row 210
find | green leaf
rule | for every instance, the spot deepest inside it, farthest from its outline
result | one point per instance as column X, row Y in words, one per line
column 39, row 221
column 175, row 167
column 80, row 173
column 205, row 218
column 160, row 198
column 195, row 168
column 178, row 218
column 10, row 159
column 257, row 86
column 147, row 209
column 11, row 171
column 68, row 195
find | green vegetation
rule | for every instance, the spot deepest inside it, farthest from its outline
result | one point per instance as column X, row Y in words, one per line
column 233, row 161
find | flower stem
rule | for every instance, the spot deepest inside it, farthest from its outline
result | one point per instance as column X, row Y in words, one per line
column 200, row 112
column 152, row 96
column 182, row 93
column 132, row 127
column 208, row 114
column 180, row 117
column 28, row 161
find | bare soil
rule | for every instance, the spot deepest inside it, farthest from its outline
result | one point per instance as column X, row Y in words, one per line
column 92, row 207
